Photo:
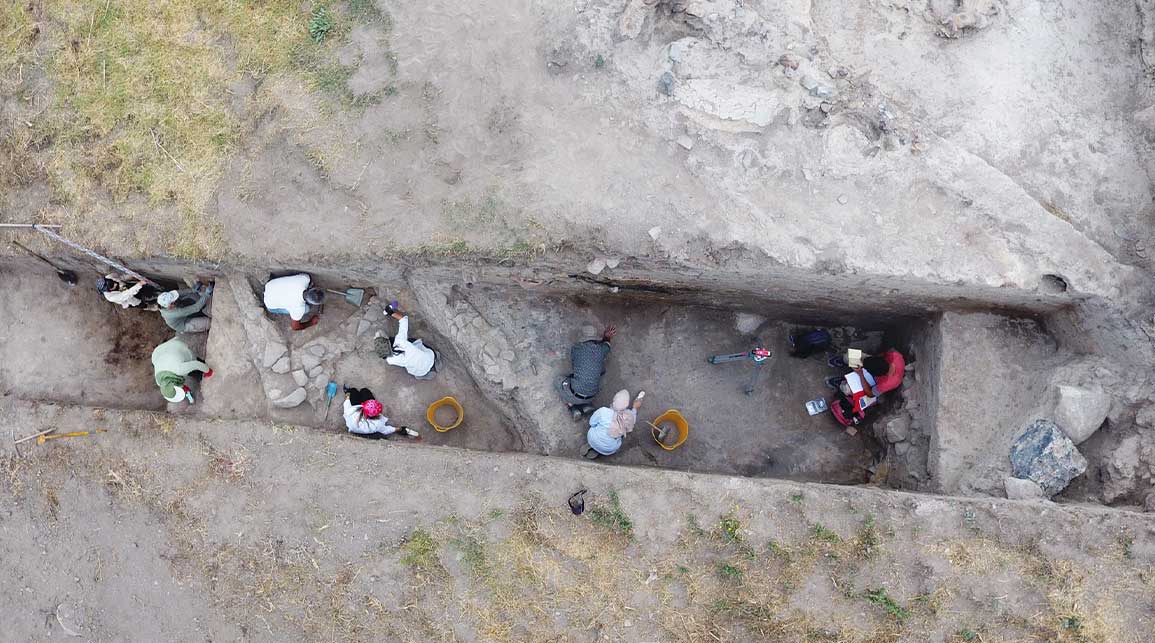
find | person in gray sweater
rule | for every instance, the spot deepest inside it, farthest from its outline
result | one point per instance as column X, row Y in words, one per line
column 587, row 365
column 183, row 310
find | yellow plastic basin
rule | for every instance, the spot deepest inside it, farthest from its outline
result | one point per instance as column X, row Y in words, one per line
column 674, row 417
column 431, row 413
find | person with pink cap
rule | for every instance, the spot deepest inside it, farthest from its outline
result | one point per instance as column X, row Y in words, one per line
column 364, row 416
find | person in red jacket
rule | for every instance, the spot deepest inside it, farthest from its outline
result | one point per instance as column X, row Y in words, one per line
column 887, row 369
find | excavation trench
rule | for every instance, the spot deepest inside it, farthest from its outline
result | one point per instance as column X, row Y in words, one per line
column 504, row 333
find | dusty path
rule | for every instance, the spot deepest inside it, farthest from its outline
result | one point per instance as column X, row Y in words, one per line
column 183, row 529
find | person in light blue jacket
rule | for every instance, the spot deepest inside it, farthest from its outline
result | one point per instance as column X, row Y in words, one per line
column 609, row 425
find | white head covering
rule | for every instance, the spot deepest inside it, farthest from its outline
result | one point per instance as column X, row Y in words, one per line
column 177, row 395
column 624, row 416
column 166, row 299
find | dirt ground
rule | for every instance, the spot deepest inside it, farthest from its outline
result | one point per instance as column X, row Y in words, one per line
column 977, row 174
column 663, row 350
column 68, row 344
column 181, row 529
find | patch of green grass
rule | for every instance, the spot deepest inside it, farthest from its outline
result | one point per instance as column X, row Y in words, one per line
column 472, row 554
column 612, row 518
column 419, row 551
column 731, row 529
column 966, row 634
column 778, row 551
column 1072, row 623
column 694, row 526
column 683, row 570
column 796, row 498
column 821, row 533
column 599, row 61
column 1127, row 543
column 867, row 542
column 731, row 573
column 320, row 24
column 368, row 11
column 880, row 598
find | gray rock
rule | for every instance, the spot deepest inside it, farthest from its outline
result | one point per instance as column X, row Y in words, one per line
column 901, row 448
column 655, row 232
column 843, row 199
column 1149, row 502
column 1019, row 489
column 300, row 378
column 898, row 429
column 292, row 399
column 281, row 366
column 363, row 326
column 316, row 370
column 790, row 61
column 808, row 82
column 1121, row 469
column 1081, row 411
column 273, row 352
column 596, row 266
column 613, row 262
column 309, row 361
column 666, row 84
column 686, row 142
column 317, row 349
column 508, row 355
column 275, row 393
column 1146, row 416
column 1045, row 454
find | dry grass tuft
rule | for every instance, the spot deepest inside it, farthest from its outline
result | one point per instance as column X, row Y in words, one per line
column 128, row 104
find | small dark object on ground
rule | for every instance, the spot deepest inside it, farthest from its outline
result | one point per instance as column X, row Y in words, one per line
column 577, row 502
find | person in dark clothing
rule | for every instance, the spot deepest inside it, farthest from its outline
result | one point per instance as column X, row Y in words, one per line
column 587, row 365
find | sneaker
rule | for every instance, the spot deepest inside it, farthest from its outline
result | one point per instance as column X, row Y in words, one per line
column 834, row 382
column 576, row 413
column 410, row 432
column 589, row 454
column 838, row 361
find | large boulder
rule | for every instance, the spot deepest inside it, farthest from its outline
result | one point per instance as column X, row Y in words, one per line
column 1044, row 454
column 1081, row 411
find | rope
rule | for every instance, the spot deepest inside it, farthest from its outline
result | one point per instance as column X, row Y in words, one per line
column 99, row 257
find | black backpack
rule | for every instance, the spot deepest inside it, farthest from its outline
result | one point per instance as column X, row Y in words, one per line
column 808, row 342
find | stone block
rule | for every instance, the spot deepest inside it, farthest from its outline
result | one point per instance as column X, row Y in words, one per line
column 1081, row 411
column 1044, row 454
column 292, row 399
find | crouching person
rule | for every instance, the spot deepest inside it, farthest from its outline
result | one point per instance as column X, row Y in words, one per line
column 587, row 365
column 608, row 425
column 173, row 362
column 364, row 416
column 183, row 310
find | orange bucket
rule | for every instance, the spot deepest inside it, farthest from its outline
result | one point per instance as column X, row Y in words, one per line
column 431, row 413
column 673, row 417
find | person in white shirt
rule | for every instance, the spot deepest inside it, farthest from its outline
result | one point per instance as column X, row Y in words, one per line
column 118, row 291
column 414, row 356
column 294, row 296
column 363, row 416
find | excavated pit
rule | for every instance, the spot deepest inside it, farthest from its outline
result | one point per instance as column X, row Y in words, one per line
column 504, row 334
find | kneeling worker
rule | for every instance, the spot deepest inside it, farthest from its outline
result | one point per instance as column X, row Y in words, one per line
column 188, row 318
column 294, row 296
column 363, row 416
column 172, row 363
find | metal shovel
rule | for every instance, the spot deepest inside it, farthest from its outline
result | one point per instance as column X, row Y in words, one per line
column 67, row 276
column 354, row 296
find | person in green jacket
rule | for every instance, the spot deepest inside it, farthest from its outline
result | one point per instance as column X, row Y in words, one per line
column 172, row 362
column 189, row 317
